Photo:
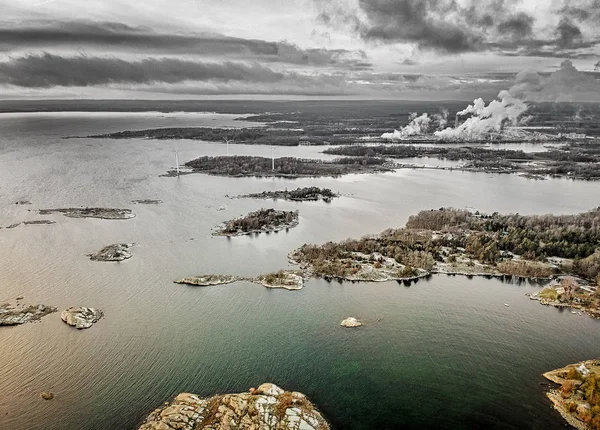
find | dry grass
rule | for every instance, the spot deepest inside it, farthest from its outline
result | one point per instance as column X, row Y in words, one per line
column 284, row 401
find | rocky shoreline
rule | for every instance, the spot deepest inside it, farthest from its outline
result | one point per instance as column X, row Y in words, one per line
column 266, row 407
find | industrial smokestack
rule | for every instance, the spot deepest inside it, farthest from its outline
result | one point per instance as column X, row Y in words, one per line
column 456, row 121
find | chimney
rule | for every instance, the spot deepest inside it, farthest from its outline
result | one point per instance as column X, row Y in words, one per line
column 456, row 121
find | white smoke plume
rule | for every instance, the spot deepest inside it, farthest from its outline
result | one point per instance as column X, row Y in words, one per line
column 419, row 125
column 494, row 117
column 565, row 84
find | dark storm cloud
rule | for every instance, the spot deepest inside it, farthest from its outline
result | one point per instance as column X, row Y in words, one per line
column 418, row 21
column 124, row 38
column 450, row 27
column 520, row 25
column 568, row 34
column 48, row 70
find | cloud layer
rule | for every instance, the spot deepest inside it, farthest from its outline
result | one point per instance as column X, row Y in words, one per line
column 119, row 37
column 450, row 26
column 412, row 49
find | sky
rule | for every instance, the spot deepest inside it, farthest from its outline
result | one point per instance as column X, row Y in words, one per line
column 539, row 50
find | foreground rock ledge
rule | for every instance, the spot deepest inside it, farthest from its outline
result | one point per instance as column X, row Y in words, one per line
column 577, row 398
column 267, row 407
column 81, row 317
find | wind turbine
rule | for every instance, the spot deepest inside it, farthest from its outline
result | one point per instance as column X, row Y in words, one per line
column 176, row 151
column 227, row 143
column 272, row 158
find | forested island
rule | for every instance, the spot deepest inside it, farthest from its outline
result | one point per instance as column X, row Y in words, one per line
column 260, row 221
column 461, row 242
column 578, row 397
column 575, row 160
column 297, row 195
column 287, row 167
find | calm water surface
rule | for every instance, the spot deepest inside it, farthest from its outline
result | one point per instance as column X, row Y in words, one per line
column 444, row 352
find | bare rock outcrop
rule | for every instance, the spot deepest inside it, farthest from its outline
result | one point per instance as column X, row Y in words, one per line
column 115, row 252
column 10, row 315
column 351, row 322
column 81, row 317
column 267, row 407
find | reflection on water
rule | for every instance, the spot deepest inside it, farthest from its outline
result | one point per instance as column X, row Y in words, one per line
column 441, row 352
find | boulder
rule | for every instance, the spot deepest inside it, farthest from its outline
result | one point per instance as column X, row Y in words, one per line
column 351, row 322
column 81, row 317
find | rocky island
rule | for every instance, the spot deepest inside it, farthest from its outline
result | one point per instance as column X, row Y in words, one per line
column 261, row 221
column 578, row 397
column 285, row 167
column 298, row 195
column 351, row 322
column 81, row 317
column 116, row 252
column 208, row 280
column 266, row 407
column 147, row 202
column 286, row 279
column 10, row 315
column 102, row 213
column 34, row 222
